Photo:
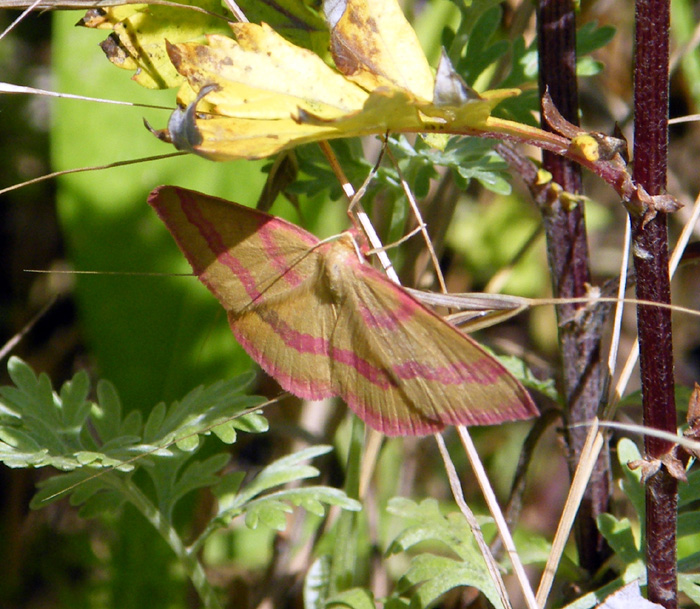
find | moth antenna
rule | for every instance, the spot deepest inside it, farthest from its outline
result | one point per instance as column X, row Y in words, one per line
column 89, row 4
column 10, row 89
column 120, row 273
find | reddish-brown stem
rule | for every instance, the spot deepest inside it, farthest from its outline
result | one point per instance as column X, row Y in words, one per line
column 582, row 373
column 653, row 283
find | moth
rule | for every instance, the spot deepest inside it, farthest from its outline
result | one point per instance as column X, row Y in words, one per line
column 323, row 322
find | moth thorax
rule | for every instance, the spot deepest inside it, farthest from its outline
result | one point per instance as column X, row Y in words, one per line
column 339, row 259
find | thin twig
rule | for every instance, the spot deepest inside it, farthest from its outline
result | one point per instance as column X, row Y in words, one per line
column 473, row 524
column 497, row 514
column 589, row 455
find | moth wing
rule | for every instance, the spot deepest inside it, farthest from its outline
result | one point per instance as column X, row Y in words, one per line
column 406, row 371
column 288, row 336
column 265, row 272
column 242, row 255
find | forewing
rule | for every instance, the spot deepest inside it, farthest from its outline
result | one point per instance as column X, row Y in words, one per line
column 242, row 255
column 406, row 371
column 266, row 273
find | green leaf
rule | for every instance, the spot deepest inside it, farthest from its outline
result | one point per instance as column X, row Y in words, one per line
column 480, row 53
column 137, row 42
column 618, row 533
column 590, row 37
column 32, row 397
column 284, row 470
column 689, row 584
column 430, row 525
column 270, row 512
column 354, row 598
column 317, row 583
column 436, row 575
column 155, row 420
column 204, row 408
column 588, row 66
column 14, row 457
column 108, row 415
column 76, row 407
column 82, row 483
column 16, row 439
column 632, row 486
column 689, row 563
column 593, row 599
column 271, row 509
column 67, row 444
column 197, row 474
column 296, row 20
column 100, row 504
column 688, row 523
column 690, row 492
column 520, row 370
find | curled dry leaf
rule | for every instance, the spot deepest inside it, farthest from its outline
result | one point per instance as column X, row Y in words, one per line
column 267, row 95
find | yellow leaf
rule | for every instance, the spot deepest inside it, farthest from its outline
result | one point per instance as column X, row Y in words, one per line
column 263, row 76
column 259, row 94
column 139, row 34
column 374, row 45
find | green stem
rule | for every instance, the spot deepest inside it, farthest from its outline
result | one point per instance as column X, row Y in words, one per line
column 193, row 568
column 343, row 563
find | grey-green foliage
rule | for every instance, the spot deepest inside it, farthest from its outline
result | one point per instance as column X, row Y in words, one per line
column 272, row 507
column 64, row 429
column 468, row 158
column 446, row 557
column 101, row 449
column 101, row 452
column 431, row 575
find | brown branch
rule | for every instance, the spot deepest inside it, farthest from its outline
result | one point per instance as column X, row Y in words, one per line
column 582, row 372
column 653, row 283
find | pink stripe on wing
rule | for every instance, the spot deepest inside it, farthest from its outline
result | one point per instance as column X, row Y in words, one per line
column 376, row 318
column 309, row 344
column 276, row 255
column 483, row 371
column 310, row 389
column 214, row 240
column 374, row 374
